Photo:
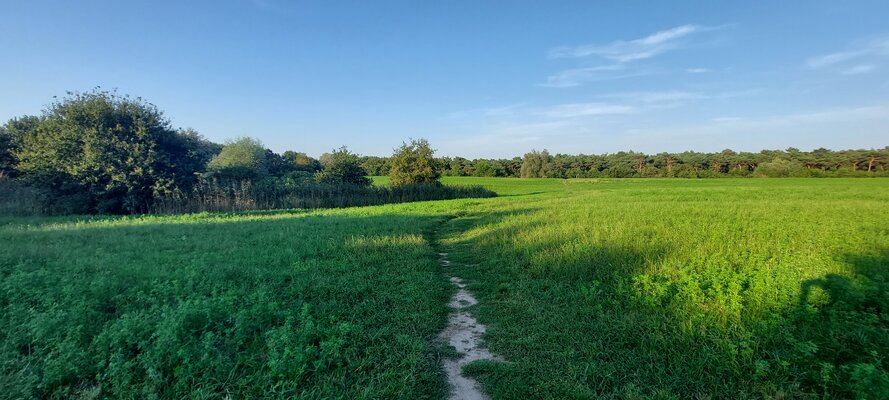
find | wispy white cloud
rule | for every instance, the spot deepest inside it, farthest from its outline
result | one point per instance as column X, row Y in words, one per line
column 486, row 112
column 697, row 70
column 674, row 98
column 622, row 54
column 622, row 51
column 659, row 97
column 577, row 76
column 574, row 110
column 859, row 69
column 862, row 51
column 502, row 111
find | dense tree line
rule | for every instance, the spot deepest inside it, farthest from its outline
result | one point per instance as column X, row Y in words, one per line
column 100, row 152
column 727, row 163
column 106, row 153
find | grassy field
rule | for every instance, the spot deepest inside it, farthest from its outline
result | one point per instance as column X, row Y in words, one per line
column 724, row 288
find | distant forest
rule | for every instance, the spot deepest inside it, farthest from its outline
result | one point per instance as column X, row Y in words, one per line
column 629, row 164
column 100, row 152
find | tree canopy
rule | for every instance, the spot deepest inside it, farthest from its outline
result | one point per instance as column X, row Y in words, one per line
column 240, row 159
column 414, row 163
column 107, row 153
column 341, row 166
column 536, row 164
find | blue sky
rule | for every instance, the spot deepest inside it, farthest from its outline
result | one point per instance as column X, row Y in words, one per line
column 477, row 78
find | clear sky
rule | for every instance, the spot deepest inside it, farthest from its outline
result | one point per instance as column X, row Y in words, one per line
column 476, row 78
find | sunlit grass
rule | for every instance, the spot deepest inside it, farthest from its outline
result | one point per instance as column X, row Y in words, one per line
column 727, row 288
column 722, row 288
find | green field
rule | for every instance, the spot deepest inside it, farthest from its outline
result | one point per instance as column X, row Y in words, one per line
column 630, row 288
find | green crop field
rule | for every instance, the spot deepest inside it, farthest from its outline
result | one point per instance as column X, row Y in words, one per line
column 629, row 288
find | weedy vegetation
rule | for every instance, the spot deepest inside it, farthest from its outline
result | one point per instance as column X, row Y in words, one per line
column 630, row 288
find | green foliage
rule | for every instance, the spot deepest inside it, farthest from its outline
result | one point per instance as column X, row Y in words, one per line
column 11, row 136
column 342, row 167
column 376, row 166
column 727, row 163
column 301, row 161
column 196, row 307
column 536, row 164
column 101, row 152
column 488, row 168
column 240, row 159
column 781, row 168
column 7, row 149
column 414, row 163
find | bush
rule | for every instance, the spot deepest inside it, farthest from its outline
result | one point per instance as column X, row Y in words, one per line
column 105, row 153
column 342, row 167
column 241, row 159
column 414, row 163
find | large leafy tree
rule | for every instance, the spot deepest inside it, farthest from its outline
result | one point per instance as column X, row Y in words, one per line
column 342, row 167
column 414, row 163
column 240, row 159
column 536, row 164
column 102, row 152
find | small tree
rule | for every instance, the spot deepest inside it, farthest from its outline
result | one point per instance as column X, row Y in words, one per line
column 414, row 163
column 241, row 159
column 536, row 164
column 342, row 167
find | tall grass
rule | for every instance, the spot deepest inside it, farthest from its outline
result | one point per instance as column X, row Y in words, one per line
column 244, row 196
column 17, row 199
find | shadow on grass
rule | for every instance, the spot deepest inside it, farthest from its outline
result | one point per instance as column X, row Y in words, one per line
column 842, row 329
column 543, row 310
column 589, row 322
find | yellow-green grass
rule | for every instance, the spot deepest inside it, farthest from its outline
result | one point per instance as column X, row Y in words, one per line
column 678, row 288
column 724, row 288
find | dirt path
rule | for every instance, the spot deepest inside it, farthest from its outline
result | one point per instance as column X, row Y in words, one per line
column 463, row 332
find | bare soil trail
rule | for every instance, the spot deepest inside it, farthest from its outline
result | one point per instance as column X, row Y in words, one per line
column 463, row 332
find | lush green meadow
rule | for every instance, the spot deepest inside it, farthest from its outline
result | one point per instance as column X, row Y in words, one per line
column 275, row 305
column 629, row 288
column 719, row 288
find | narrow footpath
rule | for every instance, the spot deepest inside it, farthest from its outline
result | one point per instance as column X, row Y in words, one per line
column 463, row 332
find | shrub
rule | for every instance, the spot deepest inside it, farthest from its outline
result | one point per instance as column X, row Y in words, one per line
column 414, row 163
column 241, row 159
column 101, row 152
column 342, row 167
